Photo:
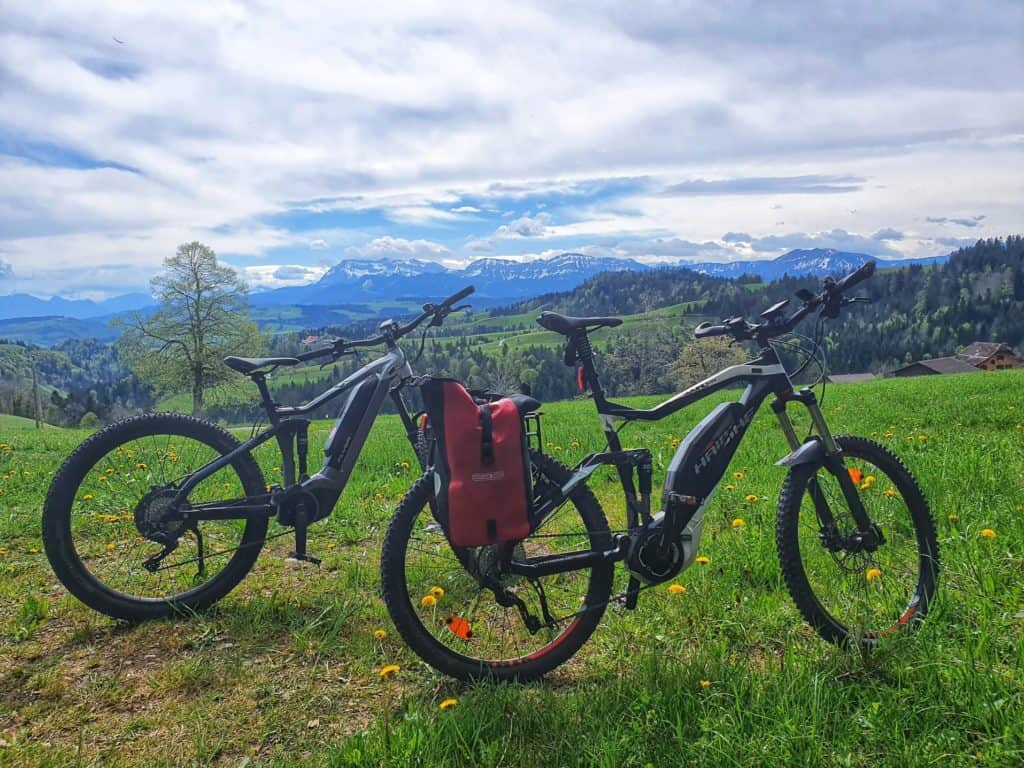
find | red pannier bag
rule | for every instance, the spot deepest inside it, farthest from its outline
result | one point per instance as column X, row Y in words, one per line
column 481, row 466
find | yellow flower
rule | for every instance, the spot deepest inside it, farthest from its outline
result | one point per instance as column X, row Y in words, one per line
column 388, row 670
column 705, row 683
column 988, row 533
column 110, row 545
column 276, row 469
column 448, row 703
column 32, row 550
column 751, row 498
column 873, row 573
column 676, row 589
column 738, row 522
column 437, row 592
column 142, row 465
column 922, row 438
column 380, row 634
column 87, row 497
column 890, row 492
column 429, row 601
column 730, row 487
column 702, row 560
column 738, row 475
column 404, row 465
column 954, row 518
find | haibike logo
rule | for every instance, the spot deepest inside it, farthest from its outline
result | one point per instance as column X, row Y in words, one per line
column 715, row 447
column 488, row 477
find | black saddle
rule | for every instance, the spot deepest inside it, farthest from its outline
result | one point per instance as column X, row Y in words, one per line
column 247, row 365
column 568, row 326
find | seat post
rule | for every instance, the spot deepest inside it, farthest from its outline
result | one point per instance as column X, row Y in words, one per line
column 268, row 402
column 585, row 352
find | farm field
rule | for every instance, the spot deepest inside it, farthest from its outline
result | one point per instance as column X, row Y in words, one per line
column 285, row 670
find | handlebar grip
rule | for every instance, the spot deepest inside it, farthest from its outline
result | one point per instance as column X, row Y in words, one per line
column 859, row 275
column 706, row 329
column 313, row 354
column 455, row 298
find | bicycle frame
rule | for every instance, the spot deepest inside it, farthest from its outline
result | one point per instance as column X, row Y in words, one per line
column 698, row 465
column 368, row 388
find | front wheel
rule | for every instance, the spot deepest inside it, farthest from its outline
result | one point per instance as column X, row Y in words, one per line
column 847, row 592
column 106, row 515
column 438, row 600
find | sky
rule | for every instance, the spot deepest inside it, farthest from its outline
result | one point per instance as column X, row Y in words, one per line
column 290, row 136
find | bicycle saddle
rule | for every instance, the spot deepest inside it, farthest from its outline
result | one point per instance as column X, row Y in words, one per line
column 247, row 365
column 568, row 325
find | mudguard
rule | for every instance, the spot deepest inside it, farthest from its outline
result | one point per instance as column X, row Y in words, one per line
column 811, row 452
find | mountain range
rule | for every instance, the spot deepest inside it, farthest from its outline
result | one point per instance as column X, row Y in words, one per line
column 368, row 283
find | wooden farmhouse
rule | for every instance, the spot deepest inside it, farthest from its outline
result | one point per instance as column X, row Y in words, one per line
column 991, row 356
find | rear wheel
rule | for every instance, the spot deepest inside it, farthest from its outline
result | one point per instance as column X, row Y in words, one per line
column 104, row 518
column 852, row 596
column 439, row 604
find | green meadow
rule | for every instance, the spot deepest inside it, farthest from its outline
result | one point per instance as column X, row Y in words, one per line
column 285, row 670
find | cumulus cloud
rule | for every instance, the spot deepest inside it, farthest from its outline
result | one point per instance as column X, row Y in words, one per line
column 736, row 237
column 479, row 245
column 318, row 245
column 887, row 233
column 388, row 247
column 267, row 276
column 525, row 226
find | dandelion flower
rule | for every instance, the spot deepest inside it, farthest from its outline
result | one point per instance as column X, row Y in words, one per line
column 405, row 465
column 142, row 465
column 380, row 634
column 730, row 487
column 429, row 601
column 890, row 492
column 738, row 522
column 872, row 574
column 437, row 592
column 738, row 475
column 705, row 683
column 702, row 560
column 448, row 703
column 988, row 533
column 751, row 498
column 676, row 589
column 388, row 670
column 87, row 497
column 954, row 518
column 110, row 546
column 922, row 438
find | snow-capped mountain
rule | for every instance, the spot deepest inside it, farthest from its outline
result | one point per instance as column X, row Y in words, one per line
column 495, row 279
column 809, row 261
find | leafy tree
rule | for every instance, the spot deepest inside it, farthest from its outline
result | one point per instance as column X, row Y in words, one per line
column 202, row 317
column 699, row 360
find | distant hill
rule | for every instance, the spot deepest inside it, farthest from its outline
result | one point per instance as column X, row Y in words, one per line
column 23, row 305
column 809, row 261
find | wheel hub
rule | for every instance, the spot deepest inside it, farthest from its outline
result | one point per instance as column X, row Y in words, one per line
column 151, row 513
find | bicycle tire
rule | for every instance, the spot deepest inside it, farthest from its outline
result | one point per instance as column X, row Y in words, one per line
column 414, row 510
column 64, row 501
column 899, row 507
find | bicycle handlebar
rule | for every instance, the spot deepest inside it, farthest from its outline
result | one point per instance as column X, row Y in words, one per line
column 393, row 331
column 830, row 300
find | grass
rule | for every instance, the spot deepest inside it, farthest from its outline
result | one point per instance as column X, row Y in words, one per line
column 284, row 671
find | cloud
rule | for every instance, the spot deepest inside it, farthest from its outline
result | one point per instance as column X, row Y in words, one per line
column 838, row 239
column 736, row 237
column 268, row 276
column 293, row 272
column 388, row 247
column 963, row 221
column 483, row 245
column 466, row 209
column 887, row 233
column 525, row 226
column 318, row 245
column 785, row 185
column 5, row 269
column 956, row 242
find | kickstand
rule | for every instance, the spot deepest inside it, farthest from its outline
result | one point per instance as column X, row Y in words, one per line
column 300, row 540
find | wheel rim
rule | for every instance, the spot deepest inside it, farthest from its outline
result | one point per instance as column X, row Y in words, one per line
column 464, row 618
column 866, row 595
column 120, row 497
